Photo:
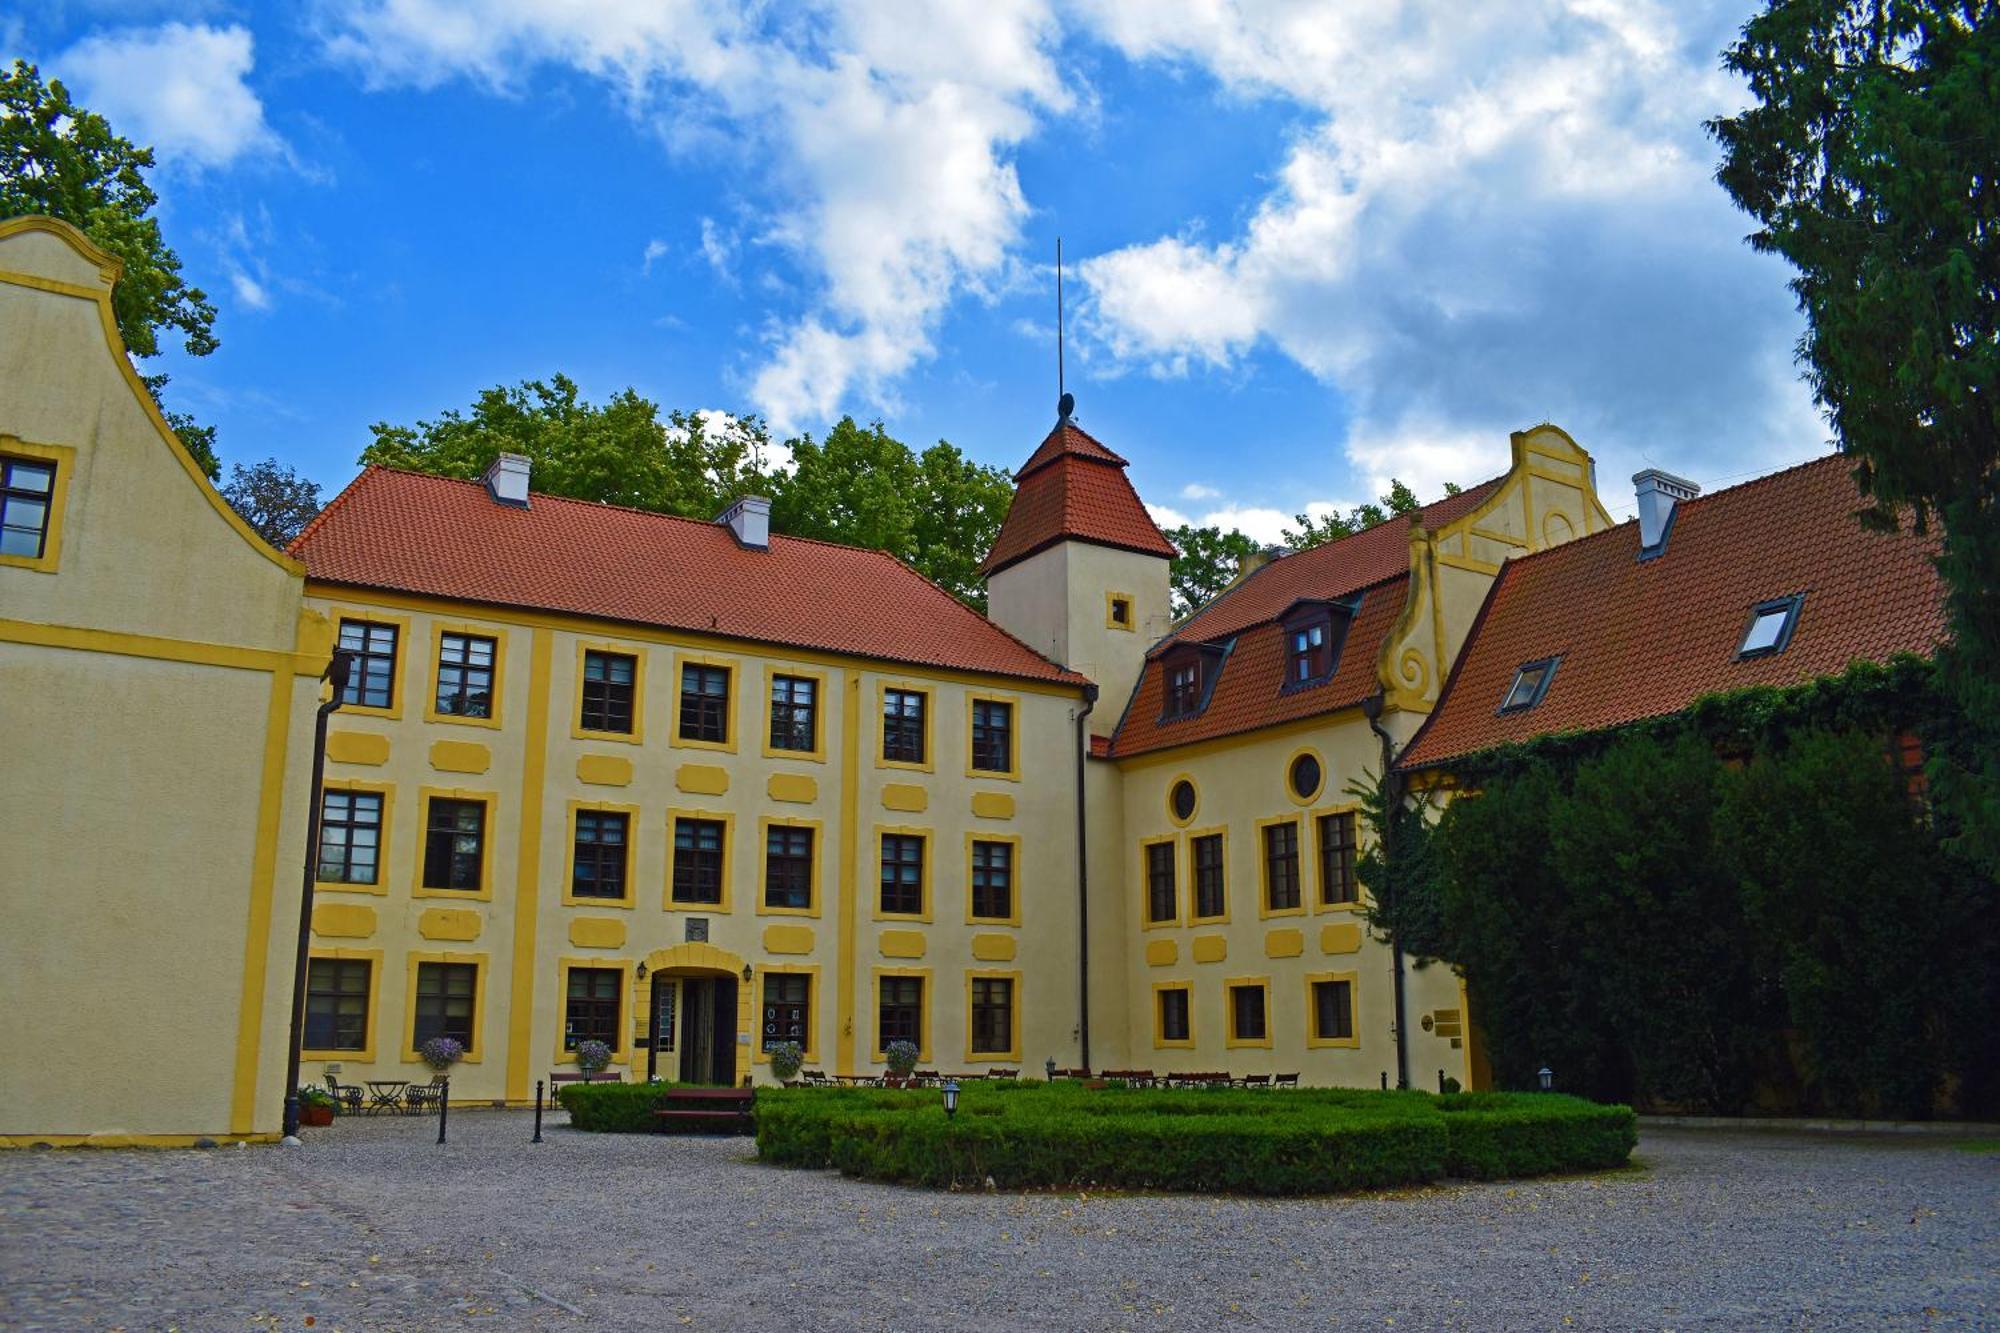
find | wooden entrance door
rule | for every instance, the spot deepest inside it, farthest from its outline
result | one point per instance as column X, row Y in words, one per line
column 708, row 1030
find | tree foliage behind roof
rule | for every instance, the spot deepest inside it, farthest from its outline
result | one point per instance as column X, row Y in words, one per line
column 1868, row 162
column 937, row 511
column 62, row 161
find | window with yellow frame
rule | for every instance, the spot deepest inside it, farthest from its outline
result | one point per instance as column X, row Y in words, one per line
column 902, row 1010
column 1120, row 611
column 1247, row 1022
column 1332, row 1004
column 34, row 493
column 603, row 839
column 455, row 837
column 1173, row 1015
column 992, row 1017
column 342, row 1002
column 787, row 1009
column 467, row 669
column 354, row 832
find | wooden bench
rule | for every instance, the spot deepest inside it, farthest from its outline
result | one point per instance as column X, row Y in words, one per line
column 724, row 1110
column 607, row 1076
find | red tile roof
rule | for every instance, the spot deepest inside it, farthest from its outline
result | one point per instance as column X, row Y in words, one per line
column 1644, row 639
column 1331, row 570
column 1375, row 564
column 1073, row 488
column 407, row 532
column 1248, row 694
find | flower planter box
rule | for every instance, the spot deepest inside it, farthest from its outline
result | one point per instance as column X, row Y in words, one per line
column 318, row 1117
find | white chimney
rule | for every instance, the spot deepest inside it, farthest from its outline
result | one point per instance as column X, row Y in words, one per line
column 750, row 519
column 1659, row 492
column 507, row 480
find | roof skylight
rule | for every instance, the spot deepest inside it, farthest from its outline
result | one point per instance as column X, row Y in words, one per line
column 1531, row 682
column 1770, row 628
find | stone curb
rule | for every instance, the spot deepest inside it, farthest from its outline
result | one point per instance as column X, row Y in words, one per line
column 1933, row 1128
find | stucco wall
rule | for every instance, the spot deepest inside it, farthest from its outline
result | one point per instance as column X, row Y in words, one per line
column 156, row 683
column 534, row 766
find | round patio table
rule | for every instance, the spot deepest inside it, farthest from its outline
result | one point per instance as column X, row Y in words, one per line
column 386, row 1094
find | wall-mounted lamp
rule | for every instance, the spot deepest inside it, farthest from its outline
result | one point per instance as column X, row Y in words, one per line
column 642, row 972
column 747, row 974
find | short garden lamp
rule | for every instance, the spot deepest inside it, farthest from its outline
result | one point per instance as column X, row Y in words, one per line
column 1547, row 1076
column 951, row 1096
column 1050, row 1065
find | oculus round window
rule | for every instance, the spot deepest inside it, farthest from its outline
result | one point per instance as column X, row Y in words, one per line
column 1305, row 777
column 1180, row 800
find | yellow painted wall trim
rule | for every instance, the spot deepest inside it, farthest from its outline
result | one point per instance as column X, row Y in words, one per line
column 597, row 932
column 993, row 948
column 849, row 870
column 114, row 1139
column 1162, row 953
column 358, row 747
column 902, row 943
column 905, row 797
column 160, row 649
column 527, row 877
column 459, row 924
column 794, row 788
column 993, row 804
column 788, row 939
column 1344, row 938
column 260, row 893
column 1284, row 943
column 655, row 635
column 702, row 779
column 604, row 770
column 460, row 757
column 348, row 921
column 1209, row 948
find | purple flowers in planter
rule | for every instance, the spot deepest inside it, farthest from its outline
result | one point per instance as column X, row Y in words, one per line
column 592, row 1056
column 441, row 1053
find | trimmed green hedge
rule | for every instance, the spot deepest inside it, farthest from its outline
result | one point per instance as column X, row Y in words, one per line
column 615, row 1108
column 1216, row 1140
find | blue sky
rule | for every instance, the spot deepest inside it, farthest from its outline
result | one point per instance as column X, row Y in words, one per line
column 1311, row 246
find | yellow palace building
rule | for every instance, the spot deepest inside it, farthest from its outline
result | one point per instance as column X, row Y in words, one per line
column 689, row 788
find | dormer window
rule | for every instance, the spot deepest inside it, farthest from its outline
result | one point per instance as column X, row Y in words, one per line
column 1531, row 682
column 1313, row 630
column 1183, row 687
column 1188, row 672
column 1770, row 628
column 1312, row 653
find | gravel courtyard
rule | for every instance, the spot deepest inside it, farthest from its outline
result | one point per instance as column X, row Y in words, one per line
column 375, row 1227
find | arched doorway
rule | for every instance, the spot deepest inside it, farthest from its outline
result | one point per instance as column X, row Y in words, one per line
column 699, row 1011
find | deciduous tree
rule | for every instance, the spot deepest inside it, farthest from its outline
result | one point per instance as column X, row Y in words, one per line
column 272, row 498
column 62, row 161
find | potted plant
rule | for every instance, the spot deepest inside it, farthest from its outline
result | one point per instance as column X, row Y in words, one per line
column 786, row 1057
column 441, row 1053
column 901, row 1057
column 591, row 1057
column 315, row 1106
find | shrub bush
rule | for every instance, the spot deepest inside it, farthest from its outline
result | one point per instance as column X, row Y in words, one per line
column 612, row 1108
column 1306, row 1142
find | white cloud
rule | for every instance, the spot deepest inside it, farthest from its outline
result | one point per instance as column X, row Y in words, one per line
column 1499, row 214
column 1194, row 490
column 180, row 88
column 886, row 150
column 656, row 250
column 718, row 248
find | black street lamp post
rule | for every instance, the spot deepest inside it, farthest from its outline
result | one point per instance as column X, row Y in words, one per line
column 337, row 672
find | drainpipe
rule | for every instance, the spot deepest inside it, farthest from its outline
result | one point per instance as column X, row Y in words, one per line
column 1392, row 801
column 336, row 674
column 1083, row 877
